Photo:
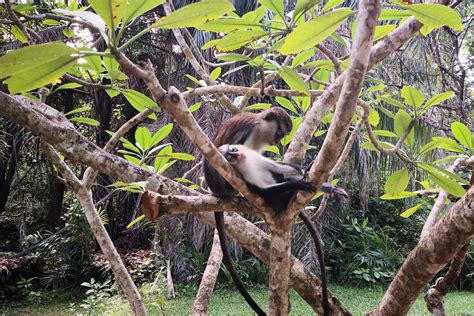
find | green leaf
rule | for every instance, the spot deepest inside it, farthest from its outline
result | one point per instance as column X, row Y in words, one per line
column 85, row 120
column 133, row 148
column 71, row 85
column 161, row 134
column 232, row 57
column 434, row 16
column 383, row 30
column 78, row 110
column 302, row 57
column 462, row 133
column 313, row 32
column 238, row 39
column 195, row 14
column 430, row 146
column 135, row 8
column 401, row 122
column 215, row 73
column 68, row 32
column 140, row 101
column 410, row 211
column 228, row 24
column 385, row 111
column 320, row 133
column 19, row 35
column 258, row 106
column 272, row 149
column 376, row 88
column 30, row 57
column 401, row 195
column 276, row 6
column 135, row 221
column 382, row 132
column 284, row 102
column 303, row 6
column 196, row 106
column 447, row 173
column 162, row 158
column 331, row 4
column 442, row 179
column 182, row 156
column 374, row 117
column 391, row 101
column 293, row 80
column 143, row 138
column 437, row 99
column 397, row 182
column 111, row 11
column 412, row 96
column 51, row 22
column 112, row 92
column 392, row 14
column 448, row 144
column 448, row 158
column 40, row 76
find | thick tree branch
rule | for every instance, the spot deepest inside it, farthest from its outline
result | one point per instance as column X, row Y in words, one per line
column 254, row 92
column 432, row 253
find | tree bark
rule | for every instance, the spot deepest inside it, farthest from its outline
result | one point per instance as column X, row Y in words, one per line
column 432, row 253
column 208, row 280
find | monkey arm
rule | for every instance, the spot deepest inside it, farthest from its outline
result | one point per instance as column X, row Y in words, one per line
column 285, row 169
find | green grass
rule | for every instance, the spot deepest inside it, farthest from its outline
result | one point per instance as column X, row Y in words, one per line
column 228, row 302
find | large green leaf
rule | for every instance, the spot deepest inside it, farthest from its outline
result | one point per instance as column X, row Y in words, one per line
column 448, row 144
column 391, row 101
column 437, row 99
column 313, row 32
column 140, row 101
column 40, row 75
column 284, row 102
column 143, row 138
column 29, row 57
column 442, row 179
column 392, row 14
column 293, row 80
column 401, row 195
column 302, row 6
column 228, row 24
column 19, row 35
column 434, row 16
column 412, row 96
column 195, row 14
column 238, row 39
column 383, row 30
column 136, row 8
column 276, row 6
column 462, row 133
column 401, row 122
column 111, row 11
column 331, row 4
column 161, row 133
column 410, row 211
column 85, row 120
column 397, row 182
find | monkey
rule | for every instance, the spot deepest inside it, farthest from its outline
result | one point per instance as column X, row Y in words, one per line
column 254, row 131
column 276, row 183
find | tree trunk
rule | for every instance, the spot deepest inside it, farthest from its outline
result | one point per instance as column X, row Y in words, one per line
column 204, row 293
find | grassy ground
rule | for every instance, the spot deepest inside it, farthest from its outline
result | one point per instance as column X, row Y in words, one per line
column 228, row 302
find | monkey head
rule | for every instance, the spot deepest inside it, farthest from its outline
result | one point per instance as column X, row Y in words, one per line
column 276, row 124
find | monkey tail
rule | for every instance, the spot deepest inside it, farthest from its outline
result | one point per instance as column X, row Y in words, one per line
column 319, row 252
column 220, row 225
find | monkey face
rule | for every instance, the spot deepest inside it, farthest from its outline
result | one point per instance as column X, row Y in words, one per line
column 231, row 153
